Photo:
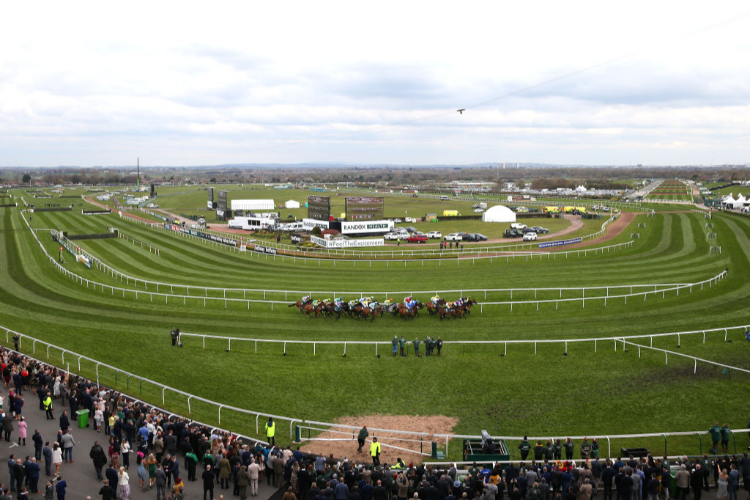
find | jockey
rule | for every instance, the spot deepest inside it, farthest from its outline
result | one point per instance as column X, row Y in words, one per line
column 305, row 299
column 435, row 299
column 326, row 300
column 458, row 303
column 315, row 303
column 388, row 302
column 339, row 302
column 407, row 302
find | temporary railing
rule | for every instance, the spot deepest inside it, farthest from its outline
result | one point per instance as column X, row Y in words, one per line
column 166, row 296
column 135, row 399
column 609, row 438
column 447, row 437
column 129, row 375
column 463, row 343
column 294, row 250
column 136, row 281
column 503, row 199
column 164, row 388
column 310, row 257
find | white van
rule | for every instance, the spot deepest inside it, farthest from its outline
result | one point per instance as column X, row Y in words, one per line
column 530, row 236
column 518, row 225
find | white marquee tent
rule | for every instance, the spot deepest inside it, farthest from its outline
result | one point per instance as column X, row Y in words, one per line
column 253, row 205
column 291, row 204
column 499, row 213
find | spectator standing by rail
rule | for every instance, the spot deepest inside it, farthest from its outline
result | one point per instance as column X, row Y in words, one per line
column 375, row 452
column 715, row 432
column 569, row 447
column 271, row 431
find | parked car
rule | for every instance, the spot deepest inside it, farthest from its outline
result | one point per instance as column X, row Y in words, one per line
column 478, row 210
column 595, row 207
column 481, row 237
column 435, row 235
column 529, row 230
column 518, row 225
column 417, row 238
column 512, row 233
column 452, row 237
column 392, row 236
column 470, row 237
column 411, row 229
column 529, row 236
column 397, row 221
column 540, row 230
column 605, row 209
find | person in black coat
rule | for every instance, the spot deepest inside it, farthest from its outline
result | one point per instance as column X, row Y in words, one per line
column 64, row 422
column 19, row 472
column 208, row 483
column 112, row 477
column 696, row 481
column 38, row 444
column 608, row 474
column 73, row 402
column 106, row 491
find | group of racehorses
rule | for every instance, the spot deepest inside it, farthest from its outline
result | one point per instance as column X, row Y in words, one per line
column 369, row 309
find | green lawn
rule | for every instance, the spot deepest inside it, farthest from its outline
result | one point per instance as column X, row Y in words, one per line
column 544, row 393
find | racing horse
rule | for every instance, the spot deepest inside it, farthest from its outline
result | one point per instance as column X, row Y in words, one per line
column 432, row 308
column 370, row 312
column 446, row 311
column 409, row 313
column 466, row 305
column 316, row 309
column 331, row 309
column 300, row 305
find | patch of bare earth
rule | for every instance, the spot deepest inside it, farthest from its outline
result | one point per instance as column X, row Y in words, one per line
column 436, row 424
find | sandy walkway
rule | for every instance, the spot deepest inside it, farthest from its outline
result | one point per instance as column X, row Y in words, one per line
column 125, row 213
column 345, row 444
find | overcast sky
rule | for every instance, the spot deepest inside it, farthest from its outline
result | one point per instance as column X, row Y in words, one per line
column 203, row 83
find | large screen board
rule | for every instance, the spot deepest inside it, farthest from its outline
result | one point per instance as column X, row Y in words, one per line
column 318, row 207
column 365, row 208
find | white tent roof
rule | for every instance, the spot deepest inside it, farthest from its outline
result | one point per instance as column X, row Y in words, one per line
column 252, row 205
column 291, row 204
column 499, row 213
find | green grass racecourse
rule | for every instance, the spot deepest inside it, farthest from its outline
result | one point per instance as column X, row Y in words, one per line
column 606, row 392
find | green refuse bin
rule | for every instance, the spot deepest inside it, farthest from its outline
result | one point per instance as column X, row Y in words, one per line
column 83, row 418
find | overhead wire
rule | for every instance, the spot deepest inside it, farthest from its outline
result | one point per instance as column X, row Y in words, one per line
column 507, row 95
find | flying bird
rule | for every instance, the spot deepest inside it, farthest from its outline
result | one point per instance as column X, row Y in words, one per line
column 461, row 111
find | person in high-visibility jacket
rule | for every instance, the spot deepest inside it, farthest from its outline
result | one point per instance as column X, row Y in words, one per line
column 48, row 407
column 271, row 431
column 375, row 452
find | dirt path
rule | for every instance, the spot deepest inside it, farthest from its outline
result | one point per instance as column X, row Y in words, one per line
column 344, row 442
column 613, row 230
column 123, row 212
column 172, row 216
